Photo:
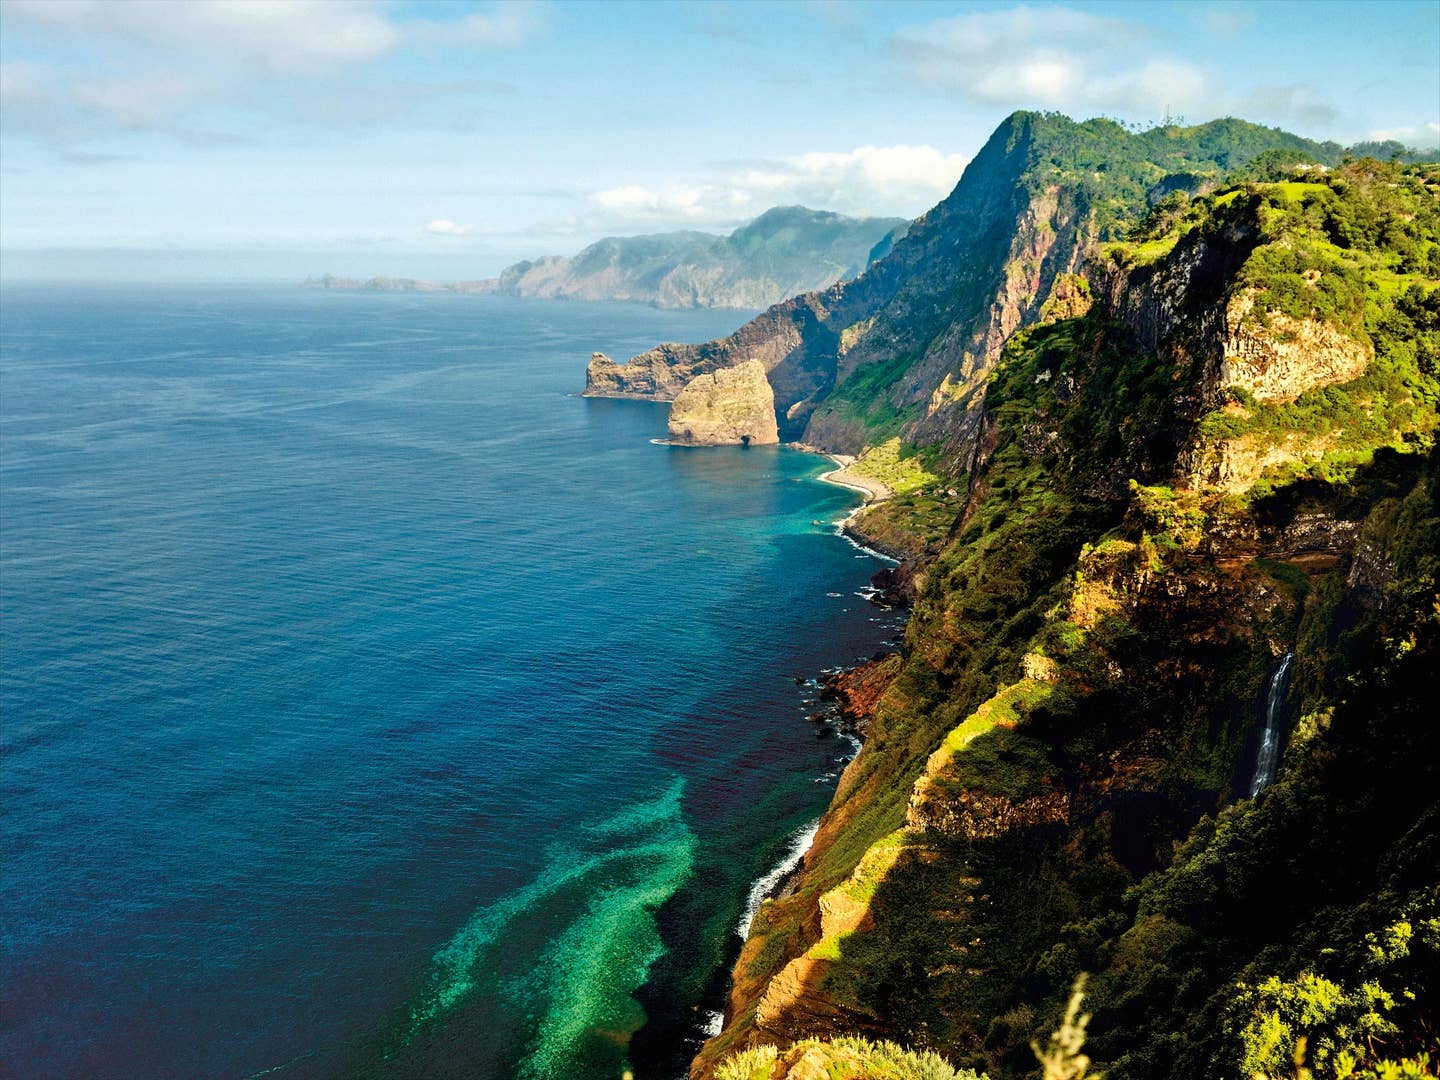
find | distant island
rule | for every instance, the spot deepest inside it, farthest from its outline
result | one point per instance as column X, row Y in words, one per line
column 784, row 252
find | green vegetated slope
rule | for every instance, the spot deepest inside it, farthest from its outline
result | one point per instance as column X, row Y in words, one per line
column 1037, row 195
column 905, row 348
column 1219, row 449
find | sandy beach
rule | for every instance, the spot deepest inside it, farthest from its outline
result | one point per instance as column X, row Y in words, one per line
column 845, row 476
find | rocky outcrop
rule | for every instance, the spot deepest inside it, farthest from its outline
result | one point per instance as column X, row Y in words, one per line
column 730, row 407
column 1277, row 358
column 948, row 263
column 1078, row 686
column 788, row 342
column 1234, row 465
column 1187, row 307
column 976, row 815
column 654, row 376
column 857, row 691
column 909, row 344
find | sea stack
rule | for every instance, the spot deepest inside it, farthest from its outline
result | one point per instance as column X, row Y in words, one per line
column 734, row 406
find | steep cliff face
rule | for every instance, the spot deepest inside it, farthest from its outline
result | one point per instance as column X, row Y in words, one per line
column 1287, row 357
column 730, row 407
column 906, row 348
column 1056, row 774
column 787, row 341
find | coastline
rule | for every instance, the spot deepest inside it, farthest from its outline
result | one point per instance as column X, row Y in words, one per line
column 844, row 476
column 783, row 878
column 875, row 491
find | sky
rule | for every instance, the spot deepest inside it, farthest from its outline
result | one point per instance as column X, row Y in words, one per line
column 277, row 139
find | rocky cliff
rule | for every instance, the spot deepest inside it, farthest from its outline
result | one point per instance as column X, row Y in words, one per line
column 906, row 348
column 1212, row 447
column 733, row 406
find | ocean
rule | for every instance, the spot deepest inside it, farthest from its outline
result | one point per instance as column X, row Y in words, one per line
column 371, row 705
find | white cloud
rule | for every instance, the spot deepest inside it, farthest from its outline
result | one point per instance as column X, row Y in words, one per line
column 898, row 181
column 165, row 64
column 282, row 36
column 507, row 26
column 1047, row 56
column 446, row 227
column 677, row 200
column 1293, row 102
column 1222, row 19
column 886, row 180
column 278, row 35
column 885, row 167
column 63, row 108
column 1051, row 56
column 137, row 103
column 1421, row 136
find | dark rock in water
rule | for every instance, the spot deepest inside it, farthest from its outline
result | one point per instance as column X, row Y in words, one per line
column 895, row 586
column 857, row 692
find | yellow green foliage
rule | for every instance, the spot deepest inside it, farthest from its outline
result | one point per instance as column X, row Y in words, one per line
column 1062, row 1057
column 1173, row 519
column 1336, row 1025
column 897, row 466
column 875, row 864
column 845, row 1058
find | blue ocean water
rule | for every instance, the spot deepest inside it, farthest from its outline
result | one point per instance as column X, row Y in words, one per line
column 371, row 706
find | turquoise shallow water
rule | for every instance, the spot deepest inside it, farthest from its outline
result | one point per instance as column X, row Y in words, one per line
column 373, row 707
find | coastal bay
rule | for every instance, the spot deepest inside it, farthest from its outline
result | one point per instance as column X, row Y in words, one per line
column 473, row 739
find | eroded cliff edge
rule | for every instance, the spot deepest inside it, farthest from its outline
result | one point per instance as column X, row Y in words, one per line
column 906, row 348
column 1215, row 447
column 730, row 407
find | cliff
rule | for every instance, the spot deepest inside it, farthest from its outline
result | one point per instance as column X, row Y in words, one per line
column 1211, row 447
column 731, row 407
column 906, row 348
column 785, row 251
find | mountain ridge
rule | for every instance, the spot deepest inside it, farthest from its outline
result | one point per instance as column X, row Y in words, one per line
column 903, row 348
column 786, row 250
column 1170, row 405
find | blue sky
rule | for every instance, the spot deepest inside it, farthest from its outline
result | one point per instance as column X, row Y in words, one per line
column 246, row 138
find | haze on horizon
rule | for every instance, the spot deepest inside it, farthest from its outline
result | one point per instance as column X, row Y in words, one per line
column 247, row 139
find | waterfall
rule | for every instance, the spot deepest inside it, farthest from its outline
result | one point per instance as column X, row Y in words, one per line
column 1269, row 757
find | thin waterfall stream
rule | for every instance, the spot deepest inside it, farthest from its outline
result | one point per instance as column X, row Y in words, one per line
column 1269, row 757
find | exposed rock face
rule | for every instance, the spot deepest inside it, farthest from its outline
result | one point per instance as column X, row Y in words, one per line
column 774, row 339
column 1078, row 686
column 1290, row 356
column 1185, row 307
column 857, row 690
column 947, row 265
column 910, row 343
column 732, row 406
column 978, row 816
column 1233, row 465
column 649, row 377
